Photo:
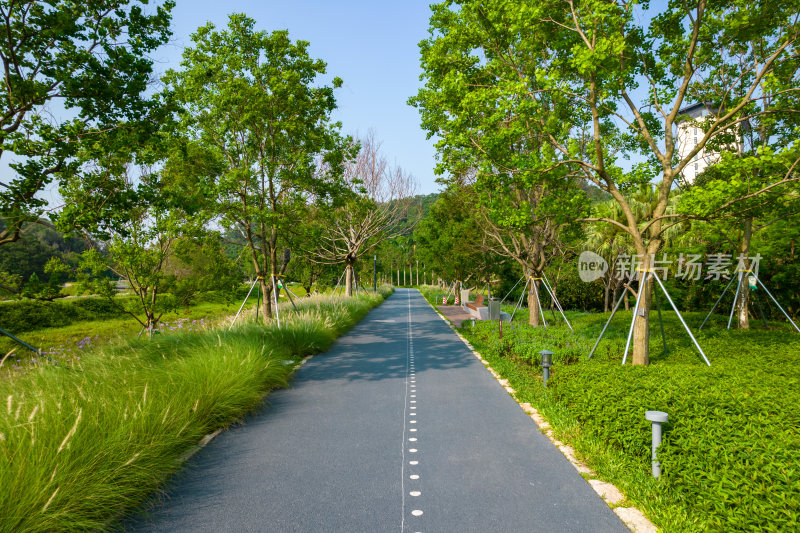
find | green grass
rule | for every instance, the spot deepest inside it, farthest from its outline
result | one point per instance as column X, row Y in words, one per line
column 732, row 445
column 67, row 341
column 70, row 341
column 85, row 442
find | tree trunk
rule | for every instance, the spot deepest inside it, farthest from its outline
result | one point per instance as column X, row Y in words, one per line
column 615, row 293
column 606, row 291
column 533, row 304
column 150, row 318
column 641, row 328
column 348, row 283
column 266, row 298
column 742, row 304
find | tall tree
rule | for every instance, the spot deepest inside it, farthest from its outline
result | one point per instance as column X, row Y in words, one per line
column 449, row 242
column 91, row 58
column 140, row 244
column 622, row 86
column 752, row 186
column 476, row 65
column 250, row 99
column 376, row 200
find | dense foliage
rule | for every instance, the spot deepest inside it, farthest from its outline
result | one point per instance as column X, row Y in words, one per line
column 526, row 99
column 91, row 59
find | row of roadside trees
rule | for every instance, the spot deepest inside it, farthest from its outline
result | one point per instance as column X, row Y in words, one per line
column 537, row 106
column 237, row 142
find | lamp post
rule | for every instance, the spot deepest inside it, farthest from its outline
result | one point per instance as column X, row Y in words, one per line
column 657, row 418
column 547, row 362
column 375, row 273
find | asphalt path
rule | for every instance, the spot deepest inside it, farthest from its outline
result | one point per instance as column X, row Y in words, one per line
column 397, row 428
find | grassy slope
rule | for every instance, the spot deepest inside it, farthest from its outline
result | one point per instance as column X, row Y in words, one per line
column 68, row 342
column 84, row 442
column 733, row 441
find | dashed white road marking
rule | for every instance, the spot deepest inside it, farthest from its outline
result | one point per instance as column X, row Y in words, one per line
column 411, row 388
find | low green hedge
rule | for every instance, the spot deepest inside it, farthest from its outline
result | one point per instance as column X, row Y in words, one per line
column 20, row 316
column 28, row 315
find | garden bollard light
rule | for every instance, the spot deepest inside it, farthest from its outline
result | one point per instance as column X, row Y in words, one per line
column 657, row 418
column 547, row 362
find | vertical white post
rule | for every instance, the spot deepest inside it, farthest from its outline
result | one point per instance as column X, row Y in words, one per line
column 275, row 292
column 536, row 292
column 642, row 281
column 675, row 308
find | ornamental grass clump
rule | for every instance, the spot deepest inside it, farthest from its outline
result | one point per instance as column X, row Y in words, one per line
column 82, row 443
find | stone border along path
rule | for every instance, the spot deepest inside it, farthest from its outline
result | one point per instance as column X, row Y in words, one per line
column 397, row 426
column 636, row 521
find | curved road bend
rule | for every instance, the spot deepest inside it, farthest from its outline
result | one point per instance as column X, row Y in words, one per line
column 397, row 428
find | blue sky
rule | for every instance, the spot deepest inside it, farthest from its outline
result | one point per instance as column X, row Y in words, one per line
column 372, row 46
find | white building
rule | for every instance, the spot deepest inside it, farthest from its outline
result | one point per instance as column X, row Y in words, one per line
column 690, row 132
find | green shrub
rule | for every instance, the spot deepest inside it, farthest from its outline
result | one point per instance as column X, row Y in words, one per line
column 27, row 315
column 732, row 444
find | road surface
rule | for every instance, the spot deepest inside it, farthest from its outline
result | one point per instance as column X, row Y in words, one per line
column 397, row 428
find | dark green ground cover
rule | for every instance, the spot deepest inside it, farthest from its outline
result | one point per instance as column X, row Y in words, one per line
column 732, row 446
